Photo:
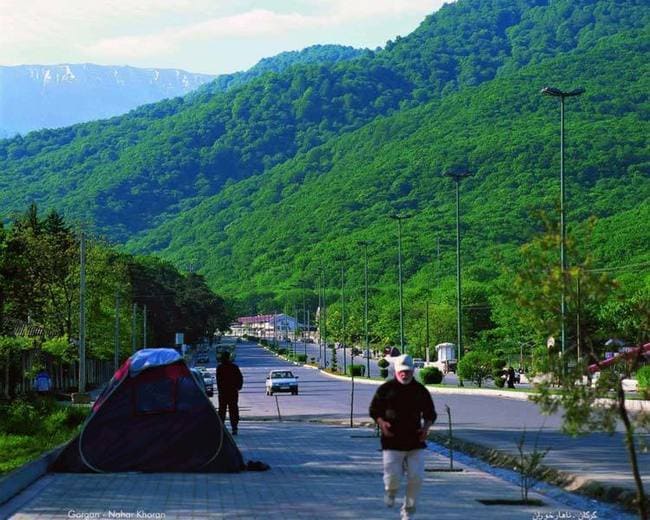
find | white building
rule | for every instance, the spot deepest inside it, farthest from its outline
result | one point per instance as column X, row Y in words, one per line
column 267, row 326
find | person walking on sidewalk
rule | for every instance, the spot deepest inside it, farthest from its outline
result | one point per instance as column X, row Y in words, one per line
column 229, row 382
column 404, row 411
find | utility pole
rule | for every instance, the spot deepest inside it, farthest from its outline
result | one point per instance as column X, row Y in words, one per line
column 324, row 318
column 365, row 244
column 556, row 92
column 82, row 315
column 427, row 322
column 457, row 177
column 399, row 217
column 117, row 331
column 342, row 260
column 134, row 313
column 144, row 326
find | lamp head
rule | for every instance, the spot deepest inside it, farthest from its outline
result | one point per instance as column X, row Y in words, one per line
column 556, row 92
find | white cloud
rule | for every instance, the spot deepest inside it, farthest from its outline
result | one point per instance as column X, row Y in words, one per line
column 180, row 32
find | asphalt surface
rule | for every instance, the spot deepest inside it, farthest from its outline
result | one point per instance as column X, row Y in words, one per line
column 488, row 420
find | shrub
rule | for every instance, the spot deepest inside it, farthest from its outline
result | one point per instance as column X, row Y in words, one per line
column 430, row 376
column 497, row 377
column 301, row 358
column 383, row 372
column 643, row 380
column 282, row 351
column 356, row 370
column 383, row 363
column 22, row 418
column 475, row 366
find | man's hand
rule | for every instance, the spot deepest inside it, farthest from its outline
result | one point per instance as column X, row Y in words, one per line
column 384, row 426
column 424, row 431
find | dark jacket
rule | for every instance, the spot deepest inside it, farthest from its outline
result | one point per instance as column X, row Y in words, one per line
column 229, row 378
column 404, row 407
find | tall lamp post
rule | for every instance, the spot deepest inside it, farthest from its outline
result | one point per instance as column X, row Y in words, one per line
column 342, row 259
column 457, row 177
column 365, row 244
column 556, row 92
column 399, row 217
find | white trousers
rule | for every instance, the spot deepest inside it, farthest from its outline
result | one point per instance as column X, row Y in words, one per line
column 397, row 462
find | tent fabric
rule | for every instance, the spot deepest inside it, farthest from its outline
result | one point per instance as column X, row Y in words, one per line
column 152, row 357
column 157, row 419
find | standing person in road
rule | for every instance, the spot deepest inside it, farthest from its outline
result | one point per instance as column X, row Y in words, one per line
column 404, row 411
column 229, row 383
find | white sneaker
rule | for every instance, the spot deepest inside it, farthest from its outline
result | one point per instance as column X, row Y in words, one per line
column 389, row 499
column 407, row 513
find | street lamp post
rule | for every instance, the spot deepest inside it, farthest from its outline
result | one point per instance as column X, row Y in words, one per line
column 399, row 217
column 323, row 319
column 343, row 312
column 457, row 177
column 365, row 244
column 556, row 92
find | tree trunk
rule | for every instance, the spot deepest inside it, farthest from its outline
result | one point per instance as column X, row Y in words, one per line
column 629, row 441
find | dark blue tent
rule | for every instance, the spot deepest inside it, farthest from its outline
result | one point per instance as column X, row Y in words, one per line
column 152, row 417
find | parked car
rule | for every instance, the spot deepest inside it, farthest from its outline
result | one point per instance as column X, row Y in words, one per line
column 208, row 381
column 202, row 357
column 205, row 380
column 281, row 381
column 418, row 363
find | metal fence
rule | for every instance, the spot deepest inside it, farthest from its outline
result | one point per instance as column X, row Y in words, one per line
column 65, row 376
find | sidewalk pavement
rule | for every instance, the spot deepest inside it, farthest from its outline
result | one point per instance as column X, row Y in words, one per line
column 317, row 472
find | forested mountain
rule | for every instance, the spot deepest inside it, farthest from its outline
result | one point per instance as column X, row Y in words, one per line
column 260, row 185
column 130, row 173
column 33, row 97
column 313, row 55
column 51, row 96
column 308, row 210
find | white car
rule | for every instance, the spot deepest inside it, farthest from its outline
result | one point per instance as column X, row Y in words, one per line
column 281, row 381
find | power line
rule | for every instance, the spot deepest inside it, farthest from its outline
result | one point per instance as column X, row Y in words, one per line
column 619, row 268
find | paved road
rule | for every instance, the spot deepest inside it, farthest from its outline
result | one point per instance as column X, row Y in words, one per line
column 317, row 472
column 488, row 420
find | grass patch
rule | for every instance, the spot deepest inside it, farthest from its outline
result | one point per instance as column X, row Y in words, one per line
column 31, row 426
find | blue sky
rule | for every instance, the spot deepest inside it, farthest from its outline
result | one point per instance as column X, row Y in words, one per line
column 209, row 36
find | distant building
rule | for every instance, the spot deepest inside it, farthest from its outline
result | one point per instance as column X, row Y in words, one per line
column 266, row 326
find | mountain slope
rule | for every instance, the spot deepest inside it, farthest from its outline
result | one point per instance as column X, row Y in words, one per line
column 304, row 213
column 131, row 173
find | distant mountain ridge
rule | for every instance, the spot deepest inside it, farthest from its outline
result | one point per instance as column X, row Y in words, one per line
column 34, row 97
column 51, row 96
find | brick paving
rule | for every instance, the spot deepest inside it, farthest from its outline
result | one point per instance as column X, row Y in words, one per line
column 317, row 472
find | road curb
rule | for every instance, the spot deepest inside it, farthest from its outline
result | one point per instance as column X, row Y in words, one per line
column 19, row 479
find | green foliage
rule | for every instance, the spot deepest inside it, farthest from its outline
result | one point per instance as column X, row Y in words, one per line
column 643, row 379
column 528, row 465
column 324, row 149
column 301, row 358
column 383, row 363
column 356, row 370
column 28, row 427
column 383, row 373
column 430, row 376
column 39, row 297
column 476, row 366
column 498, row 377
column 60, row 348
